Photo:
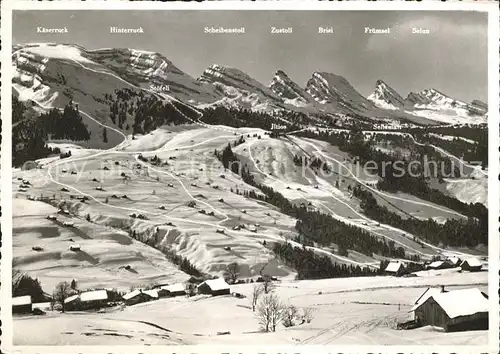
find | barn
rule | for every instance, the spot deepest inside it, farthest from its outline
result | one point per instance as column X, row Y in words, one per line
column 471, row 265
column 94, row 299
column 454, row 261
column 439, row 265
column 135, row 297
column 395, row 268
column 21, row 304
column 153, row 293
column 72, row 303
column 457, row 310
column 172, row 290
column 214, row 287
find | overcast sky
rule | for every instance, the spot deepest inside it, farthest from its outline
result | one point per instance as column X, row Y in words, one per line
column 452, row 59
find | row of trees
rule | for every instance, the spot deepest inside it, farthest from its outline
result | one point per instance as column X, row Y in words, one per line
column 312, row 266
column 31, row 131
column 23, row 285
column 391, row 179
column 228, row 158
column 477, row 151
column 146, row 111
column 67, row 124
column 238, row 118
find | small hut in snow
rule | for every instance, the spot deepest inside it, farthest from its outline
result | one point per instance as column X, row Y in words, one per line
column 172, row 290
column 454, row 261
column 439, row 265
column 214, row 287
column 93, row 299
column 395, row 268
column 21, row 304
column 75, row 247
column 471, row 265
column 458, row 310
column 153, row 293
column 135, row 297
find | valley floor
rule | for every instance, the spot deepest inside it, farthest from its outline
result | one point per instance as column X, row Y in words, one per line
column 345, row 311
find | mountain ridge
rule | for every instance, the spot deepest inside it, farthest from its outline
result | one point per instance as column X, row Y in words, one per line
column 46, row 71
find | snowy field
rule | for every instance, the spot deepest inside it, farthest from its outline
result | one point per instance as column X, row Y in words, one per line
column 105, row 251
column 345, row 311
column 189, row 172
column 190, row 206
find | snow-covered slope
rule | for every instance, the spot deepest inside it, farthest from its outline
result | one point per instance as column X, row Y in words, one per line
column 240, row 89
column 386, row 97
column 331, row 89
column 429, row 103
column 433, row 99
column 435, row 105
column 149, row 68
column 48, row 72
column 290, row 91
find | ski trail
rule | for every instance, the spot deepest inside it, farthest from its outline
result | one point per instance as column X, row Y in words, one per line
column 377, row 191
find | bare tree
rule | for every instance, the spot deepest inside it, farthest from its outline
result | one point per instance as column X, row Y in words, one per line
column 52, row 302
column 307, row 314
column 269, row 312
column 190, row 290
column 256, row 293
column 289, row 315
column 62, row 292
column 233, row 271
column 268, row 284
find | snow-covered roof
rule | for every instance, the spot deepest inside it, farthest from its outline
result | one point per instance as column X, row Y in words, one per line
column 436, row 264
column 454, row 260
column 426, row 294
column 153, row 293
column 216, row 284
column 21, row 300
column 394, row 267
column 131, row 294
column 473, row 262
column 174, row 288
column 71, row 298
column 94, row 295
column 461, row 302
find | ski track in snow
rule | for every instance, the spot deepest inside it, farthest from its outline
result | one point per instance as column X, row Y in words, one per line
column 377, row 191
column 360, row 215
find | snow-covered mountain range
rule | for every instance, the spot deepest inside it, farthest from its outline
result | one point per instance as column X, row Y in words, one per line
column 429, row 103
column 53, row 74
